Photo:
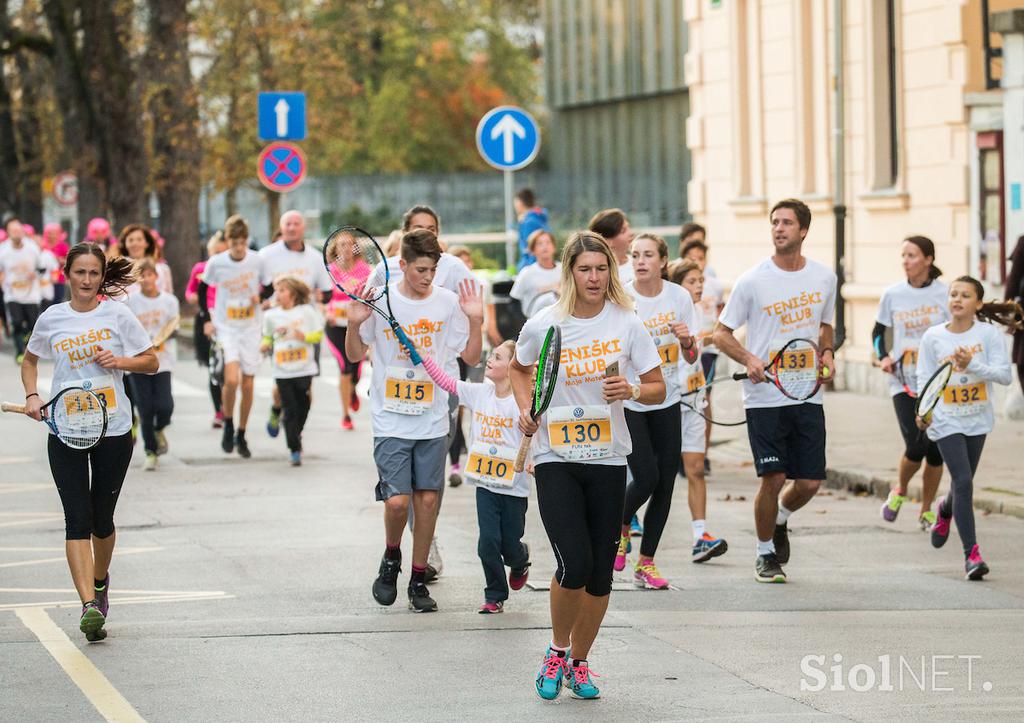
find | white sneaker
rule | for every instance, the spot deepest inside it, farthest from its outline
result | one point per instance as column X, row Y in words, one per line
column 434, row 557
column 150, row 463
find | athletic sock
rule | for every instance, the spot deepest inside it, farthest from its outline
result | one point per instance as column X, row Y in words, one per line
column 419, row 575
column 560, row 652
column 783, row 515
column 576, row 662
column 944, row 509
column 392, row 553
column 699, row 529
column 765, row 547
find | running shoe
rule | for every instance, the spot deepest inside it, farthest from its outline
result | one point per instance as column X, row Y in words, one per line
column 781, row 540
column 892, row 505
column 135, row 427
column 768, row 569
column 434, row 558
column 150, row 464
column 19, row 358
column 975, row 566
column 296, row 459
column 241, row 445
column 420, row 600
column 218, row 420
column 517, row 576
column 92, row 621
column 648, row 577
column 161, row 443
column 635, row 528
column 227, row 440
column 578, row 681
column 103, row 596
column 431, row 574
column 940, row 530
column 491, row 608
column 707, row 547
column 455, row 477
column 926, row 520
column 620, row 556
column 353, row 402
column 385, row 587
column 552, row 673
column 274, row 423
column 346, row 423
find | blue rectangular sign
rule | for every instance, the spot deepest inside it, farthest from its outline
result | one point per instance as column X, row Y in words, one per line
column 282, row 116
column 1014, row 196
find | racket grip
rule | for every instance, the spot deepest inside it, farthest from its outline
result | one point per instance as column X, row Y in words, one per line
column 524, row 448
column 8, row 407
column 414, row 355
column 739, row 375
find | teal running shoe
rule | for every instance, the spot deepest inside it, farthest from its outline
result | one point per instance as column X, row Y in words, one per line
column 552, row 673
column 578, row 681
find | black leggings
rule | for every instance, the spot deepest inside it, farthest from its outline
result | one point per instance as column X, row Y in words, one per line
column 918, row 446
column 581, row 507
column 336, row 338
column 22, row 318
column 201, row 344
column 89, row 509
column 657, row 437
column 295, row 402
column 962, row 454
column 154, row 403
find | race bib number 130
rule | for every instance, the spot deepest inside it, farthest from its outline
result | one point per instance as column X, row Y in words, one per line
column 578, row 433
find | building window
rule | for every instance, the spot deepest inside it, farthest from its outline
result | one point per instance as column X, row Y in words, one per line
column 890, row 77
column 883, row 34
column 992, row 253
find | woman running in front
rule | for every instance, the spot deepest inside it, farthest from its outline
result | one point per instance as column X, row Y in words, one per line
column 581, row 445
column 97, row 342
column 291, row 331
column 910, row 308
column 965, row 415
column 666, row 311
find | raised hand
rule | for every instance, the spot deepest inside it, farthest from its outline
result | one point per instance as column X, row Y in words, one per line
column 471, row 299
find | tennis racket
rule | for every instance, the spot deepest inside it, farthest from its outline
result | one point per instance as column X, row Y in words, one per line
column 905, row 371
column 543, row 385
column 932, row 391
column 346, row 246
column 77, row 416
column 166, row 331
column 795, row 370
column 730, row 406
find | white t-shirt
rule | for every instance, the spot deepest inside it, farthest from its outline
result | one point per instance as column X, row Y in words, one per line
column 154, row 313
column 163, row 280
column 451, row 270
column 710, row 300
column 237, row 283
column 671, row 306
column 494, row 439
column 306, row 265
column 585, row 427
column 530, row 282
column 966, row 407
column 626, row 273
column 20, row 269
column 48, row 264
column 405, row 401
column 292, row 358
column 778, row 306
column 910, row 312
column 691, row 376
column 71, row 339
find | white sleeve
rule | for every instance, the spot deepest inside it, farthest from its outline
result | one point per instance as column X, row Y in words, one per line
column 643, row 354
column 926, row 361
column 468, row 393
column 368, row 329
column 134, row 338
column 518, row 290
column 458, row 337
column 828, row 313
column 689, row 313
column 264, row 272
column 210, row 272
column 884, row 315
column 528, row 343
column 39, row 342
column 314, row 319
column 993, row 365
column 376, row 278
column 736, row 311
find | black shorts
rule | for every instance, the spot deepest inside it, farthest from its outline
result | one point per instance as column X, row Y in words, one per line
column 788, row 439
column 918, row 446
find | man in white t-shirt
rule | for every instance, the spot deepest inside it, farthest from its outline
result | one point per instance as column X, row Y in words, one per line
column 613, row 226
column 19, row 275
column 785, row 297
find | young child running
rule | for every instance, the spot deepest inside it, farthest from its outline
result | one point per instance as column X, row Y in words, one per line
column 152, row 392
column 501, row 492
column 688, row 274
column 965, row 415
column 291, row 331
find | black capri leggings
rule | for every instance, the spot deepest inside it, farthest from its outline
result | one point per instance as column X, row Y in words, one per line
column 962, row 454
column 581, row 507
column 89, row 508
column 918, row 446
column 336, row 338
column 657, row 438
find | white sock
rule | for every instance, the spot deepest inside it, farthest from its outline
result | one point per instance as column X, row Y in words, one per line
column 558, row 649
column 698, row 529
column 765, row 548
column 783, row 515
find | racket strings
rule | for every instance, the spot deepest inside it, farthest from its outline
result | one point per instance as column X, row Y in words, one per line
column 79, row 418
column 932, row 392
column 343, row 250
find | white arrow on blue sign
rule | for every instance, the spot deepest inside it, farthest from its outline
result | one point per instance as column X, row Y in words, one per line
column 282, row 116
column 508, row 138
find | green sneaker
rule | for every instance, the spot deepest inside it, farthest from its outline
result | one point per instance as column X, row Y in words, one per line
column 274, row 423
column 161, row 442
column 892, row 505
column 92, row 622
column 926, row 520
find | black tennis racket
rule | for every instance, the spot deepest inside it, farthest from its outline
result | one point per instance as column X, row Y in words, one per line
column 795, row 370
column 346, row 246
column 77, row 416
column 931, row 392
column 543, row 384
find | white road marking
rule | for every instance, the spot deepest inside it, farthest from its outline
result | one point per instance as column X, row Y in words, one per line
column 44, row 561
column 183, row 596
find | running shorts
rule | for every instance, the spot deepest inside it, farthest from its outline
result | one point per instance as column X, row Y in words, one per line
column 788, row 439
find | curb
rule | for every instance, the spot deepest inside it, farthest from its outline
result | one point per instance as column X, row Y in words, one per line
column 859, row 482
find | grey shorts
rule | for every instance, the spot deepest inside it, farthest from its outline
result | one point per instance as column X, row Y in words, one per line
column 404, row 465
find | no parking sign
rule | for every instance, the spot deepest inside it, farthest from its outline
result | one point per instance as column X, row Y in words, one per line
column 281, row 166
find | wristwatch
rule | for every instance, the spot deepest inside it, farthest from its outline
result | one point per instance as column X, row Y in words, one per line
column 636, row 391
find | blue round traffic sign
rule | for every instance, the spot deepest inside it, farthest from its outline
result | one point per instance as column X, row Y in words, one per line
column 508, row 138
column 281, row 166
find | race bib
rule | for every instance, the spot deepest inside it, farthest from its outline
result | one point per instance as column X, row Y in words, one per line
column 240, row 312
column 491, row 465
column 408, row 391
column 909, row 358
column 339, row 312
column 578, row 433
column 291, row 356
column 102, row 386
column 695, row 380
column 668, row 351
column 967, row 397
column 798, row 364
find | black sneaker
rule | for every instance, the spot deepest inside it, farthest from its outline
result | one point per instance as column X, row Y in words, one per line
column 227, row 440
column 781, row 540
column 707, row 467
column 768, row 569
column 242, row 445
column 420, row 600
column 431, row 574
column 385, row 587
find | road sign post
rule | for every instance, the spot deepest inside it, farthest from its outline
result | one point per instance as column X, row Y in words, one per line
column 282, row 116
column 508, row 139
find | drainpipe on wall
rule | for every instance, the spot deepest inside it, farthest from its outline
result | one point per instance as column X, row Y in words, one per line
column 839, row 171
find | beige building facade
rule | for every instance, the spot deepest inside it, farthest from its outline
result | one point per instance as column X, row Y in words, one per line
column 922, row 146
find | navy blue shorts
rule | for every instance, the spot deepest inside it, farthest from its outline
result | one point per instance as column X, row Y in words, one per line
column 788, row 439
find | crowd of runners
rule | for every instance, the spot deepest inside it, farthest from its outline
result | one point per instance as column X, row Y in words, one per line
column 640, row 328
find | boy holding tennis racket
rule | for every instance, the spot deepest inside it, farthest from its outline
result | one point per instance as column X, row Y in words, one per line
column 410, row 412
column 787, row 302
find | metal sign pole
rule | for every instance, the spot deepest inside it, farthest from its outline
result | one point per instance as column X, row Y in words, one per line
column 511, row 237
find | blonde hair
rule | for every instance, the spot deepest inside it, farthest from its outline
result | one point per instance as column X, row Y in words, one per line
column 459, row 250
column 659, row 243
column 298, row 287
column 535, row 237
column 146, row 263
column 679, row 268
column 510, row 345
column 214, row 242
column 394, row 243
column 582, row 242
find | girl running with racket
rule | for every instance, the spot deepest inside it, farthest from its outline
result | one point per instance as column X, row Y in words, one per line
column 581, row 444
column 667, row 313
column 910, row 308
column 291, row 331
column 92, row 343
column 964, row 415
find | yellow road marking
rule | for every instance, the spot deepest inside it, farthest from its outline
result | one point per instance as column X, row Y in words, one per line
column 94, row 685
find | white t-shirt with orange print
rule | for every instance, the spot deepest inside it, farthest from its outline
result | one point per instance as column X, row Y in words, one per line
column 671, row 306
column 494, row 440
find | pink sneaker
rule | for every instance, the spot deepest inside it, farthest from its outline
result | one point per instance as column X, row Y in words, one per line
column 647, row 576
column 975, row 566
column 218, row 420
column 620, row 556
column 491, row 608
column 346, row 423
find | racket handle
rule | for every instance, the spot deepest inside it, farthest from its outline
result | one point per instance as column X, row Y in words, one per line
column 524, row 448
column 739, row 375
column 414, row 355
column 8, row 407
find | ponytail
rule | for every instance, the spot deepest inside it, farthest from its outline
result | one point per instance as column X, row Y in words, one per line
column 1007, row 313
column 118, row 273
